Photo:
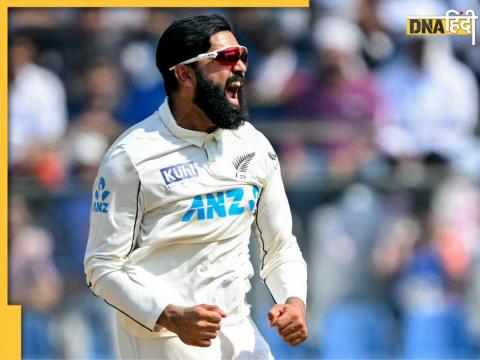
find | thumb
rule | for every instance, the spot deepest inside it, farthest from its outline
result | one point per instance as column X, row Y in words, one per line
column 274, row 314
column 216, row 309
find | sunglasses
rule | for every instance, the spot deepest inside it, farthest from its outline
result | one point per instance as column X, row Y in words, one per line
column 228, row 56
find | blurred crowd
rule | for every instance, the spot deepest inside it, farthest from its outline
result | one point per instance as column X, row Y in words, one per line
column 378, row 135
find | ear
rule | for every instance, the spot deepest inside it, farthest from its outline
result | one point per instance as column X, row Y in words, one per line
column 185, row 76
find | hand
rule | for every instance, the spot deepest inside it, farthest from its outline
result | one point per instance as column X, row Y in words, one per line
column 196, row 325
column 289, row 318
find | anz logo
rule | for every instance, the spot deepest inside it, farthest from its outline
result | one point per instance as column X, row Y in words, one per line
column 100, row 201
column 222, row 204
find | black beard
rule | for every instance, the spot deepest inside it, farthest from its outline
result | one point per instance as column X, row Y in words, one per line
column 213, row 101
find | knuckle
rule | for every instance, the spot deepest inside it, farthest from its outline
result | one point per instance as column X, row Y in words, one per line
column 213, row 329
column 200, row 310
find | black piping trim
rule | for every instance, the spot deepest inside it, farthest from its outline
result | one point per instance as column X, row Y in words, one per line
column 123, row 312
column 134, row 241
column 263, row 245
column 269, row 291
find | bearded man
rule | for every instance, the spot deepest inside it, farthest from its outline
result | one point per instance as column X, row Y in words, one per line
column 174, row 204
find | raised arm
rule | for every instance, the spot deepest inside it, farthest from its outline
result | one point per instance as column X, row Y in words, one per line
column 282, row 266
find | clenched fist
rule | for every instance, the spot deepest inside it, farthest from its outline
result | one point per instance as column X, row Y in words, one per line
column 196, row 325
column 289, row 318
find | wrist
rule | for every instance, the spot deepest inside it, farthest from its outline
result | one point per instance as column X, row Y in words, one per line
column 297, row 302
column 165, row 317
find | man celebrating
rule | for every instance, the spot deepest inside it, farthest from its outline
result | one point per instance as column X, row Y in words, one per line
column 174, row 203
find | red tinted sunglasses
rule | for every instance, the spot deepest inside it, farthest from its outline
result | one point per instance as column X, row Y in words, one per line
column 228, row 56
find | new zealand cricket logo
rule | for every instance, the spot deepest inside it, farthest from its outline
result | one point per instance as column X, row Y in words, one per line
column 241, row 163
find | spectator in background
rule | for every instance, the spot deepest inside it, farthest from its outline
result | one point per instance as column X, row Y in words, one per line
column 37, row 116
column 456, row 215
column 432, row 96
column 341, row 87
column 145, row 90
column 433, row 103
column 276, row 62
column 348, row 294
column 424, row 256
column 103, row 85
column 341, row 94
column 378, row 46
column 88, row 138
column 145, row 85
column 95, row 127
column 35, row 282
column 92, row 31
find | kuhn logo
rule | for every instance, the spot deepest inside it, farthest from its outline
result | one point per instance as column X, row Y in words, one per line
column 100, row 201
column 179, row 172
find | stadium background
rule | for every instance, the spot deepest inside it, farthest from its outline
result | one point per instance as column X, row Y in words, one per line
column 378, row 138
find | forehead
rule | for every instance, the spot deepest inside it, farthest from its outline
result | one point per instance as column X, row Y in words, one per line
column 222, row 39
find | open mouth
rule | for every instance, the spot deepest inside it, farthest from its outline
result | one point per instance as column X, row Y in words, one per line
column 232, row 92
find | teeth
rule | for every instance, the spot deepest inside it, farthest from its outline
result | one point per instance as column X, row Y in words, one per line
column 235, row 84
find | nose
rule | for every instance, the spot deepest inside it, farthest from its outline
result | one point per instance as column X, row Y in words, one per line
column 239, row 68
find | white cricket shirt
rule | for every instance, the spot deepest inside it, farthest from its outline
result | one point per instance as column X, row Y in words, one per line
column 171, row 218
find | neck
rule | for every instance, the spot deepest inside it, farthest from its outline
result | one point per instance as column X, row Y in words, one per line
column 189, row 116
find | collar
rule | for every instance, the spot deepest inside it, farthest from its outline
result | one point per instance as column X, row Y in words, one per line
column 197, row 138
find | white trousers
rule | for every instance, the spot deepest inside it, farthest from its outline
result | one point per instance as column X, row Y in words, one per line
column 240, row 341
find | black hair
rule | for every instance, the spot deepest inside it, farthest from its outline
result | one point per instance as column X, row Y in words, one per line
column 183, row 39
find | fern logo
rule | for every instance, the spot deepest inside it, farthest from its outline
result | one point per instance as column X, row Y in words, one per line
column 241, row 163
column 100, row 201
